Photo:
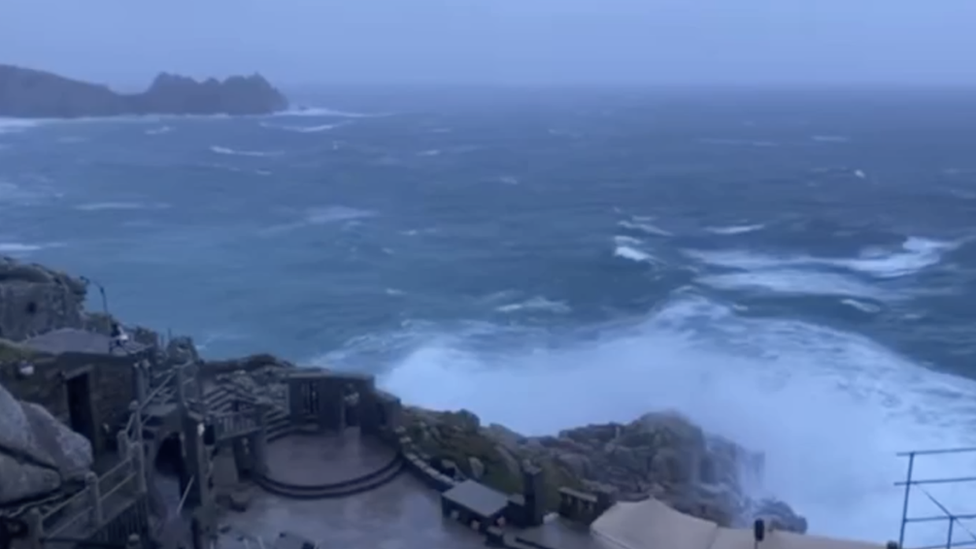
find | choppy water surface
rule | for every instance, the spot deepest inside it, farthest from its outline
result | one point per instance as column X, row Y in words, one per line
column 794, row 271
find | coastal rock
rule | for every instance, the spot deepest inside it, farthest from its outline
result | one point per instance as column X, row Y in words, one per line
column 661, row 455
column 28, row 93
column 35, row 299
column 38, row 453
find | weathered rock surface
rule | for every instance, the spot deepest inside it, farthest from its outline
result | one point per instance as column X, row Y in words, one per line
column 28, row 93
column 38, row 453
column 661, row 455
column 35, row 299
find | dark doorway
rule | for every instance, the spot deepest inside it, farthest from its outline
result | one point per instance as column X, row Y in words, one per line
column 170, row 462
column 80, row 406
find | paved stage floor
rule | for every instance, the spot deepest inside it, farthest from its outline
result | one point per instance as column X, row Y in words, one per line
column 403, row 514
column 316, row 458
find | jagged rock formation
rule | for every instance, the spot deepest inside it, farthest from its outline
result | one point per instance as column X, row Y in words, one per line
column 38, row 453
column 28, row 93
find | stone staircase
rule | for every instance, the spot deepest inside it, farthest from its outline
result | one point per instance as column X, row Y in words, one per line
column 350, row 487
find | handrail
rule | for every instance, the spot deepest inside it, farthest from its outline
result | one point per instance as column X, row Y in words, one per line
column 953, row 519
column 186, row 492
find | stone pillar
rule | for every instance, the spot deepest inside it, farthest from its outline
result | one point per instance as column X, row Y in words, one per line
column 368, row 408
column 534, row 493
column 197, row 460
column 241, row 458
column 259, row 440
column 94, row 500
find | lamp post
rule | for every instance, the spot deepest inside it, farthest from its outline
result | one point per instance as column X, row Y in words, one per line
column 101, row 290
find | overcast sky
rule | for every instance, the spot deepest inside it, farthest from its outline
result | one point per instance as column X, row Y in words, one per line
column 926, row 42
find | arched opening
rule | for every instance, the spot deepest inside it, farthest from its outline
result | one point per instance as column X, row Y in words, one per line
column 170, row 468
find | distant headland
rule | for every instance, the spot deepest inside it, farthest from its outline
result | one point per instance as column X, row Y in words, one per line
column 29, row 93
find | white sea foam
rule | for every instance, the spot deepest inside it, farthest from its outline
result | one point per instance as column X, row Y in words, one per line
column 830, row 138
column 305, row 129
column 795, row 282
column 233, row 152
column 862, row 306
column 323, row 215
column 735, row 229
column 159, row 131
column 99, row 206
column 916, row 254
column 22, row 248
column 14, row 125
column 535, row 304
column 644, row 225
column 738, row 142
column 829, row 408
column 325, row 113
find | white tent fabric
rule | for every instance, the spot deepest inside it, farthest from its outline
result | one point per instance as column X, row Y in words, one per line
column 650, row 524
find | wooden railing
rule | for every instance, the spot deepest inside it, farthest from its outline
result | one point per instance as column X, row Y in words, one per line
column 88, row 509
column 233, row 424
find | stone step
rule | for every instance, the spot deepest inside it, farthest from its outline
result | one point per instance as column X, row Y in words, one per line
column 219, row 400
column 350, row 487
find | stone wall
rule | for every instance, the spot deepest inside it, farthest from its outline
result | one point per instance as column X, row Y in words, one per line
column 111, row 388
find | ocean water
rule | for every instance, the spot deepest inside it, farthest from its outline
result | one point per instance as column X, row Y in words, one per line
column 796, row 271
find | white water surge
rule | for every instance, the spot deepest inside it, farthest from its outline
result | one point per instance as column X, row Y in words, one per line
column 830, row 409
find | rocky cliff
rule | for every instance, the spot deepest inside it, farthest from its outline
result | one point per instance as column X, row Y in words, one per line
column 28, row 93
column 661, row 454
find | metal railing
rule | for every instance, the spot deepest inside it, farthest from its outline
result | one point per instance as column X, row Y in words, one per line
column 954, row 520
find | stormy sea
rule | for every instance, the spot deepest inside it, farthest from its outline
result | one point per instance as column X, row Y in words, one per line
column 796, row 271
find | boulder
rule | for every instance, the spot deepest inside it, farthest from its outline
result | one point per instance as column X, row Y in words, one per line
column 38, row 453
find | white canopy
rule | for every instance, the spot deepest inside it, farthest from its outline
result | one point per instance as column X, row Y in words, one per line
column 650, row 524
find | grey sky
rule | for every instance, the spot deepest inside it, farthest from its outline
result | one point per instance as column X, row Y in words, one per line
column 499, row 41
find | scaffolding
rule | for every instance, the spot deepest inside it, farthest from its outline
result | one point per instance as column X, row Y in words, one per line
column 954, row 520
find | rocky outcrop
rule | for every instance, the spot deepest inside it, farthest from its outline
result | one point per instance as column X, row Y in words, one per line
column 38, row 453
column 28, row 93
column 661, row 455
column 35, row 299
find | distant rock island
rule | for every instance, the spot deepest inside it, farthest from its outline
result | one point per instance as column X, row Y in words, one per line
column 29, row 93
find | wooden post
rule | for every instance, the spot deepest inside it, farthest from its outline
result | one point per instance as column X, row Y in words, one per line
column 136, row 410
column 95, row 499
column 138, row 457
column 122, row 444
column 181, row 385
